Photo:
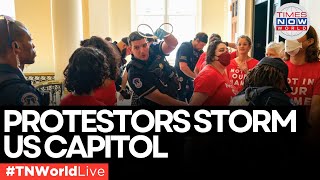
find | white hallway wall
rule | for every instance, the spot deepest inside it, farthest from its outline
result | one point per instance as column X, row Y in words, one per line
column 312, row 7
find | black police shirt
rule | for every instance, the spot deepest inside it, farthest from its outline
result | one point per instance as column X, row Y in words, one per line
column 15, row 89
column 186, row 53
column 146, row 76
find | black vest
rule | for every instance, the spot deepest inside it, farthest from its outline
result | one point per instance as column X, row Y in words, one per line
column 158, row 71
column 13, row 79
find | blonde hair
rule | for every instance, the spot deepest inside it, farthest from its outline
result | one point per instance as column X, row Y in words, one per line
column 278, row 47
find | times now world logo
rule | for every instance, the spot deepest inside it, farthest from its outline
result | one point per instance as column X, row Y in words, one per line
column 291, row 21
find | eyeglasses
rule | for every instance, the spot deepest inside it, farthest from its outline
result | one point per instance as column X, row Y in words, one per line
column 8, row 20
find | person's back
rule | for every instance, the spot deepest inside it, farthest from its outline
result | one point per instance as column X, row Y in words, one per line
column 107, row 92
column 261, row 96
column 16, row 90
column 86, row 72
column 73, row 100
column 265, row 85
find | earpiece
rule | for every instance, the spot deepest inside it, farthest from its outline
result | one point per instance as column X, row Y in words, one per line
column 16, row 45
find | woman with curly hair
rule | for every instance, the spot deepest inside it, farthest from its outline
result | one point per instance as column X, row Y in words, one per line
column 86, row 71
column 107, row 92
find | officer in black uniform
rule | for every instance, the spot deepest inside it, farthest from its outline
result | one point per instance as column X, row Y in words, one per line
column 155, row 82
column 149, row 74
column 16, row 50
column 186, row 60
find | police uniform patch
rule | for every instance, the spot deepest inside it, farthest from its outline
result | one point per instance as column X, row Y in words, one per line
column 161, row 66
column 137, row 82
column 30, row 99
column 183, row 58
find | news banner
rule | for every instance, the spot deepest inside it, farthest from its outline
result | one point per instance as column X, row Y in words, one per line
column 116, row 142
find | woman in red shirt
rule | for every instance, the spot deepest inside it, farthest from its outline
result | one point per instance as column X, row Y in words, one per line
column 212, row 86
column 202, row 59
column 86, row 71
column 241, row 65
column 107, row 92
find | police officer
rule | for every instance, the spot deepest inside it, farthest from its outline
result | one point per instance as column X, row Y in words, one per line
column 16, row 50
column 186, row 60
column 149, row 74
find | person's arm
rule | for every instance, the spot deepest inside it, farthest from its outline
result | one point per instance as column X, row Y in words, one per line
column 196, row 71
column 124, row 80
column 243, row 66
column 143, row 85
column 232, row 45
column 186, row 70
column 198, row 99
column 124, row 93
column 169, row 44
column 201, row 60
column 163, row 99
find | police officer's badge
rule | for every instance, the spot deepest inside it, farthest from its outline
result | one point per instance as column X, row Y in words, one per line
column 183, row 58
column 137, row 82
column 29, row 99
column 161, row 66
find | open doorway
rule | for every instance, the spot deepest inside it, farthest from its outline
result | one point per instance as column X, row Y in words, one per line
column 260, row 29
column 263, row 30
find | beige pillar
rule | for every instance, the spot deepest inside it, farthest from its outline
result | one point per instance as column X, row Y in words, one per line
column 67, row 31
column 119, row 18
column 36, row 15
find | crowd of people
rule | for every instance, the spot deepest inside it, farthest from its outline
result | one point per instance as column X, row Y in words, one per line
column 211, row 77
column 223, row 75
column 217, row 77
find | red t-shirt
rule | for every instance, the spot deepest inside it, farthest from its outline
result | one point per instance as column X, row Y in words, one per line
column 304, row 81
column 107, row 94
column 72, row 100
column 215, row 85
column 236, row 75
column 201, row 61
